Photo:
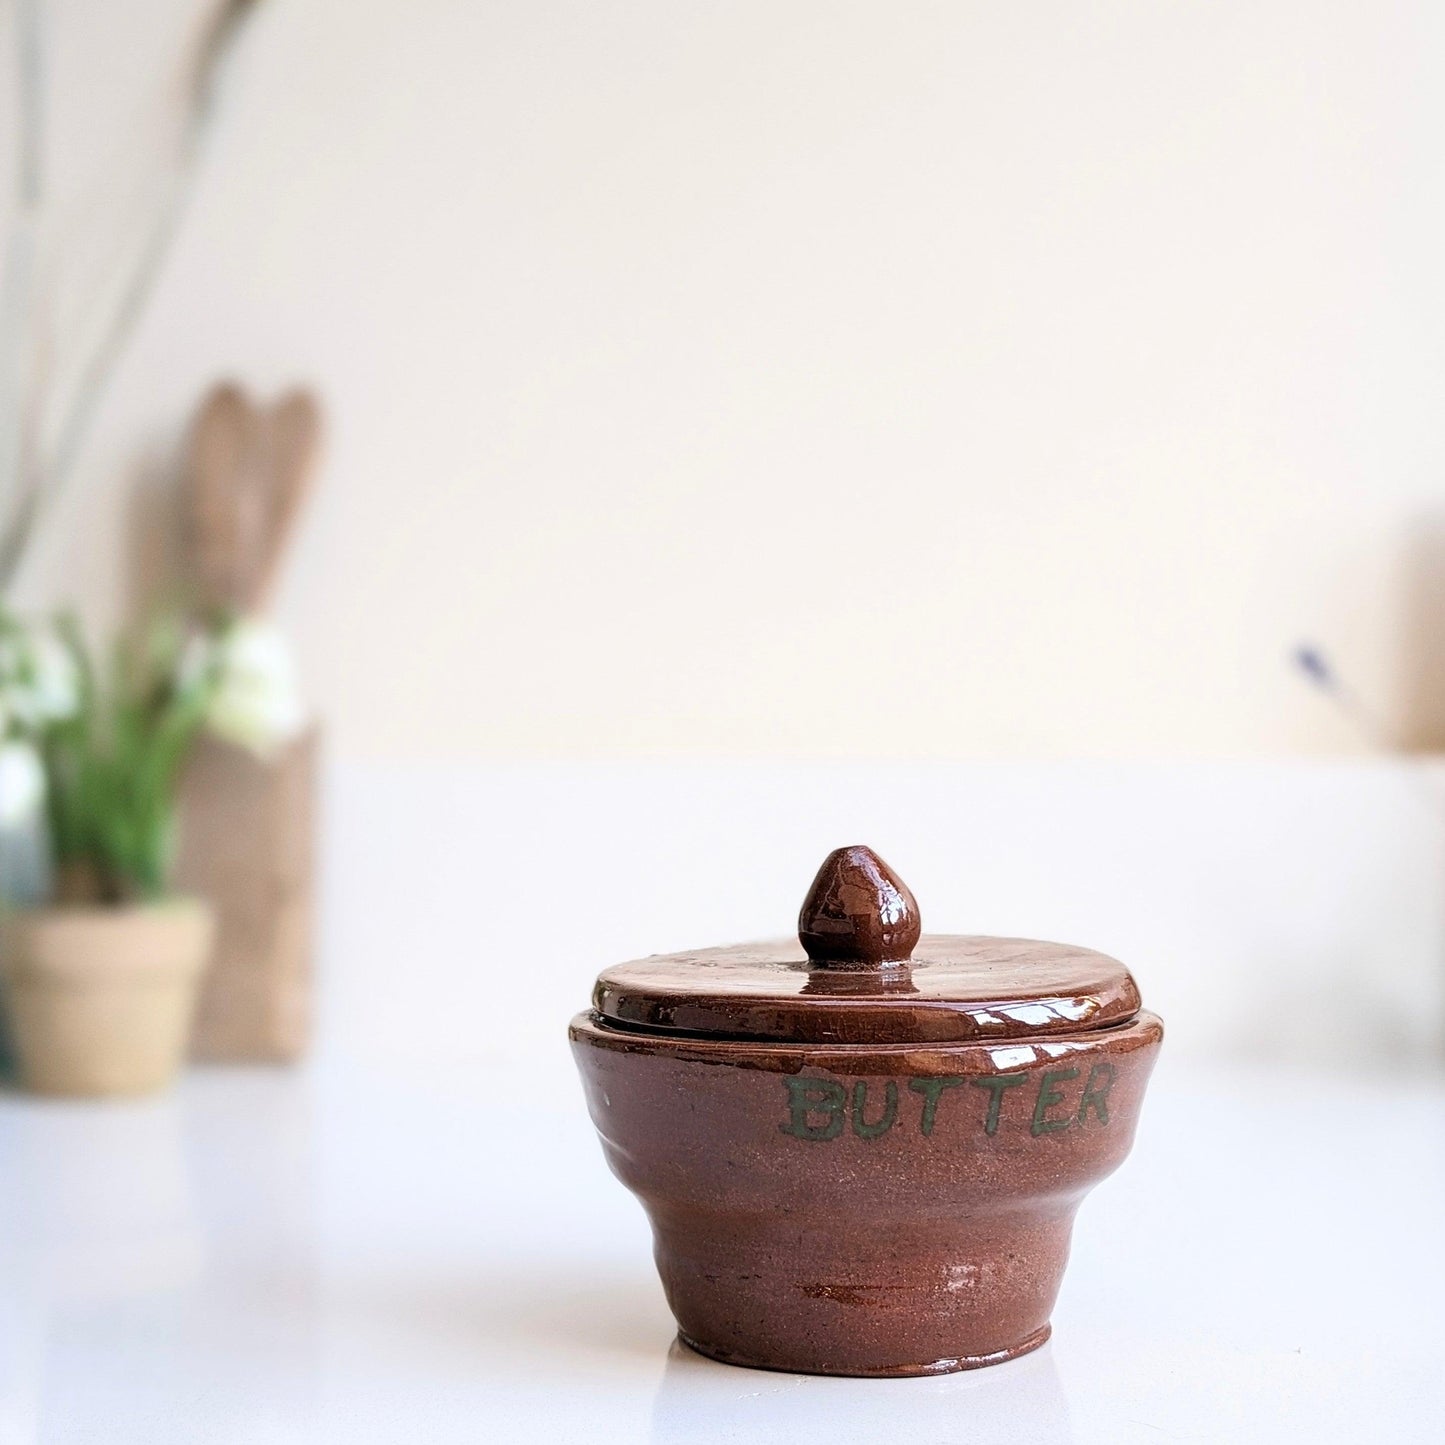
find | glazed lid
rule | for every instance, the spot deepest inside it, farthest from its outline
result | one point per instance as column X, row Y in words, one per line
column 863, row 971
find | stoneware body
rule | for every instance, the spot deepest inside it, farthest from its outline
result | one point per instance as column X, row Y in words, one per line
column 100, row 998
column 856, row 1210
column 889, row 1187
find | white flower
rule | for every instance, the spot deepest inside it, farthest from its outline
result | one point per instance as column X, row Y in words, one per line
column 56, row 681
column 22, row 783
column 255, row 704
column 39, row 677
column 198, row 656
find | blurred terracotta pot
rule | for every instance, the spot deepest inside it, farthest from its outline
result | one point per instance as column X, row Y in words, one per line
column 101, row 997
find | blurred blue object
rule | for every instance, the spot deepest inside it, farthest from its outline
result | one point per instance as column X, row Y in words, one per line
column 1315, row 666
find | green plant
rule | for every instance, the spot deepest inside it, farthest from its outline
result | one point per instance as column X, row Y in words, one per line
column 104, row 747
column 112, row 766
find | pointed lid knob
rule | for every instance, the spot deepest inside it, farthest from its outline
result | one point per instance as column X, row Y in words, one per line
column 859, row 914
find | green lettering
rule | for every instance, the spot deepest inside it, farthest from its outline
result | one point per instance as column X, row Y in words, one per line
column 861, row 1127
column 996, row 1084
column 1048, row 1097
column 814, row 1096
column 931, row 1089
column 1096, row 1095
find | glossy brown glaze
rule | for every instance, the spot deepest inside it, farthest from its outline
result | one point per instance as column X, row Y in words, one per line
column 954, row 989
column 859, row 914
column 887, row 1203
column 861, row 1210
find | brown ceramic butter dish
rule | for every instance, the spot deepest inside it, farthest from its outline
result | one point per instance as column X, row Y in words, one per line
column 863, row 1156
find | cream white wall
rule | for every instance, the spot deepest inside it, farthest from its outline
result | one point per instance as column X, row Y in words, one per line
column 818, row 378
column 1285, row 912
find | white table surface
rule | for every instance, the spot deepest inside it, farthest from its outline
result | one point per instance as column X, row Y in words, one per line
column 347, row 1254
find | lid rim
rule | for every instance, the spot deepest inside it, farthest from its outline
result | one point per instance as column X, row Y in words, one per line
column 956, row 989
column 622, row 1036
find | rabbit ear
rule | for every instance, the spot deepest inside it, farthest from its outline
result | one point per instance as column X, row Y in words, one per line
column 292, row 450
column 225, row 519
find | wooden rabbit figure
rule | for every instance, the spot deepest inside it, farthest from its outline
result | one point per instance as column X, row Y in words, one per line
column 250, row 469
column 247, row 824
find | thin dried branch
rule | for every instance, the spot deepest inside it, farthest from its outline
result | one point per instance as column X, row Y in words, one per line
column 18, row 286
column 34, row 497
